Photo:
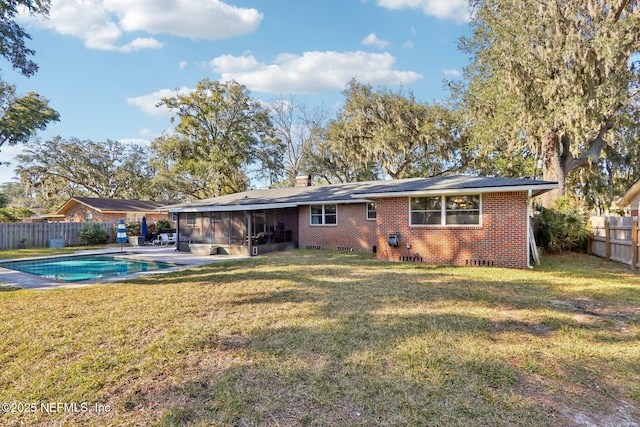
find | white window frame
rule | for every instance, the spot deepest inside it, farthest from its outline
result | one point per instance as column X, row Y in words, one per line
column 443, row 212
column 88, row 216
column 323, row 216
column 375, row 211
column 188, row 218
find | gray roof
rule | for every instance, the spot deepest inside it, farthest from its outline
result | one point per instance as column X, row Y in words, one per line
column 356, row 192
column 114, row 205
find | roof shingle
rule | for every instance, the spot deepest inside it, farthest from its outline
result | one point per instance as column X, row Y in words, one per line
column 349, row 192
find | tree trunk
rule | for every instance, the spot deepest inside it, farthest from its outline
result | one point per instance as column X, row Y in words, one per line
column 552, row 168
column 559, row 161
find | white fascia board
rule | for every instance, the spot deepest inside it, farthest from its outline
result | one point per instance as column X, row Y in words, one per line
column 211, row 208
column 535, row 188
column 336, row 202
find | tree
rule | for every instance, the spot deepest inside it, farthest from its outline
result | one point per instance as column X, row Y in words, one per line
column 58, row 169
column 618, row 168
column 334, row 164
column 21, row 117
column 550, row 79
column 13, row 36
column 300, row 130
column 394, row 133
column 17, row 195
column 221, row 133
column 15, row 214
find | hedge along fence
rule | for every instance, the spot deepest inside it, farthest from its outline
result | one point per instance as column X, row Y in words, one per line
column 37, row 235
column 615, row 239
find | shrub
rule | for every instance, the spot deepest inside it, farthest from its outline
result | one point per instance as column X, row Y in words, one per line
column 162, row 224
column 133, row 228
column 15, row 214
column 563, row 228
column 93, row 234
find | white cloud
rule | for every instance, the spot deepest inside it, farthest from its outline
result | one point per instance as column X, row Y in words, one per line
column 141, row 43
column 455, row 10
column 182, row 65
column 102, row 24
column 312, row 72
column 147, row 103
column 146, row 132
column 451, row 73
column 408, row 44
column 373, row 40
column 196, row 19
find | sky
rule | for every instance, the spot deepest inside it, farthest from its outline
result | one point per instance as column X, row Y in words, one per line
column 105, row 64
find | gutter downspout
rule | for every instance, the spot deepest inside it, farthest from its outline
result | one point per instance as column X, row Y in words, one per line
column 529, row 230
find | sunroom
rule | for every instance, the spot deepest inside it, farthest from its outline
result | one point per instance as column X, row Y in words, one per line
column 237, row 232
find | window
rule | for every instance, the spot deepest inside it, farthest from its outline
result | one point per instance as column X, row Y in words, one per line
column 216, row 216
column 446, row 210
column 88, row 216
column 371, row 210
column 324, row 215
column 463, row 209
column 190, row 219
column 426, row 210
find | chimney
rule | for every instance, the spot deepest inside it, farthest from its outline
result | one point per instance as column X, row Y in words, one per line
column 303, row 181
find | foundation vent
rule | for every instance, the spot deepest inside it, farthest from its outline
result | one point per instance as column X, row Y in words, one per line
column 480, row 263
column 410, row 258
column 313, row 247
column 345, row 248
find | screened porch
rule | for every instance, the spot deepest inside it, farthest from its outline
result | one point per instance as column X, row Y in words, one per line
column 238, row 232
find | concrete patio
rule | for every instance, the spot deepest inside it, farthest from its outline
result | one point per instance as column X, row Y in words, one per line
column 183, row 260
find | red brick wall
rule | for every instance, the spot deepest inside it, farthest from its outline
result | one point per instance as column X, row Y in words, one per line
column 353, row 230
column 78, row 214
column 500, row 241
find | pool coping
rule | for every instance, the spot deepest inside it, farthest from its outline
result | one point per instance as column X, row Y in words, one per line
column 183, row 260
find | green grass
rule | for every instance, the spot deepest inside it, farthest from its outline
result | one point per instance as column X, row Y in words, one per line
column 332, row 338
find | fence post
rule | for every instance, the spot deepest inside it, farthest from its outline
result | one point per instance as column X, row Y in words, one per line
column 607, row 237
column 634, row 244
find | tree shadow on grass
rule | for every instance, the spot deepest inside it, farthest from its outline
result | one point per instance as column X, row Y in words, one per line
column 358, row 372
column 365, row 364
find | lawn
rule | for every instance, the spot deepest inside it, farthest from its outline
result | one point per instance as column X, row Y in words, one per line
column 327, row 338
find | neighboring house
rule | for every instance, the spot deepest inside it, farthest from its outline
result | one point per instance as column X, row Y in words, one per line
column 92, row 209
column 455, row 219
column 630, row 201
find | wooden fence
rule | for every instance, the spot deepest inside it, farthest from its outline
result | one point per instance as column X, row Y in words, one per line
column 38, row 235
column 615, row 239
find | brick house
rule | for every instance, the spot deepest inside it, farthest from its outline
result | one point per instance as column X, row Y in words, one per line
column 92, row 209
column 455, row 219
column 630, row 201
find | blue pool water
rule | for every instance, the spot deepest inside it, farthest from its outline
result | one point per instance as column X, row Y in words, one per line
column 85, row 267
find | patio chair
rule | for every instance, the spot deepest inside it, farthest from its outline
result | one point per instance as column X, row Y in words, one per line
column 165, row 239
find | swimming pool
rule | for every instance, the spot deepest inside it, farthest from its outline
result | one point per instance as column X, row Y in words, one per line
column 84, row 267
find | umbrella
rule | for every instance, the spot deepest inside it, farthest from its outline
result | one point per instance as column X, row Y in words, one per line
column 121, row 237
column 143, row 228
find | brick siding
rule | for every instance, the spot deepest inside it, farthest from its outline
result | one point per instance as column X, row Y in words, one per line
column 500, row 240
column 78, row 214
column 352, row 231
